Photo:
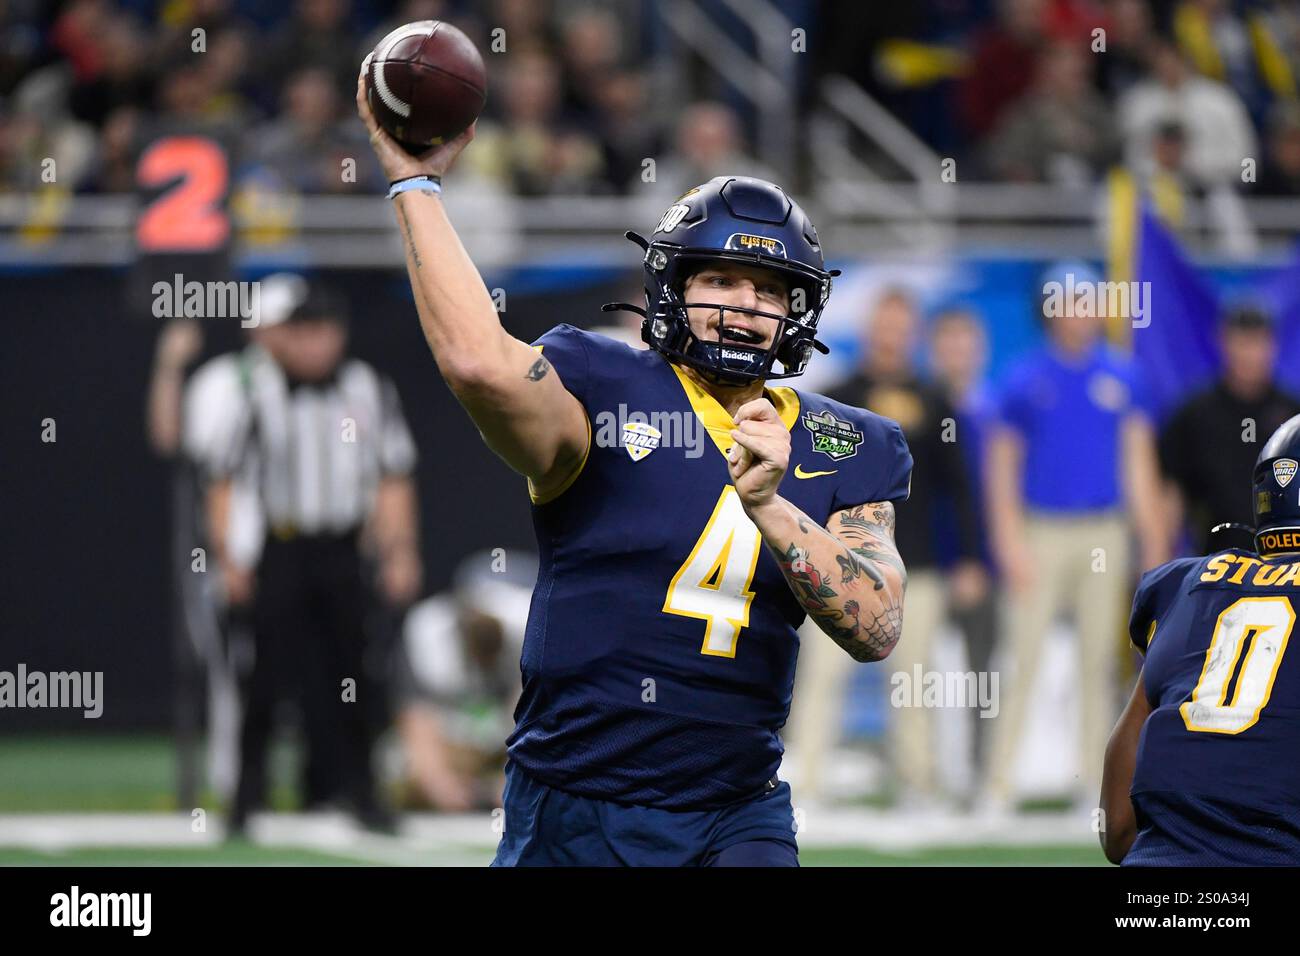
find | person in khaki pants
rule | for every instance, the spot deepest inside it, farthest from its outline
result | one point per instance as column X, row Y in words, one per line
column 887, row 384
column 1071, row 470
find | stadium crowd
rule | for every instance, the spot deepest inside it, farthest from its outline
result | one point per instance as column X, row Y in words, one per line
column 1052, row 91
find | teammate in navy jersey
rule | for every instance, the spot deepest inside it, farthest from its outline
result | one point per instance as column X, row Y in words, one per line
column 1201, row 769
column 661, row 644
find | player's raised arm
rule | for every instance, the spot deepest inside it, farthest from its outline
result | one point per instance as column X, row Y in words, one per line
column 514, row 396
column 848, row 576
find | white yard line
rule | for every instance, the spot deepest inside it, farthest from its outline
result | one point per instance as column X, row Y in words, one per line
column 469, row 839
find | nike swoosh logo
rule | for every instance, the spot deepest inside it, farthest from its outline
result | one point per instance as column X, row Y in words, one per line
column 800, row 473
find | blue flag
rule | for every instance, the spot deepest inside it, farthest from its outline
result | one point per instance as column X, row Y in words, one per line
column 1282, row 297
column 1177, row 351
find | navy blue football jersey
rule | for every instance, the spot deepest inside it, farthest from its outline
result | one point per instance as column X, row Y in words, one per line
column 660, row 652
column 1217, row 781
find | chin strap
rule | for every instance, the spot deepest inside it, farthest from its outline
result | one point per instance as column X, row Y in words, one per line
column 623, row 307
column 1232, row 526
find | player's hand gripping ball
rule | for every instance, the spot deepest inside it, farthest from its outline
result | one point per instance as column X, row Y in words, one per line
column 425, row 84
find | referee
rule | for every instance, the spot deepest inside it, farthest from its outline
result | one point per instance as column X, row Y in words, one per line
column 322, row 439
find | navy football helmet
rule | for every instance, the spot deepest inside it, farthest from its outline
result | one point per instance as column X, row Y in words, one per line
column 741, row 220
column 1277, row 491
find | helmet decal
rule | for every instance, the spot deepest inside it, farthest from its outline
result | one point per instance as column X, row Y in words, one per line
column 741, row 221
column 1276, row 493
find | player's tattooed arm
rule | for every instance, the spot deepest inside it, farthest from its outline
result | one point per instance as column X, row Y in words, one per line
column 514, row 395
column 848, row 576
column 537, row 371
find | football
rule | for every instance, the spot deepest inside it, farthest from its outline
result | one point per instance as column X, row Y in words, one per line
column 426, row 83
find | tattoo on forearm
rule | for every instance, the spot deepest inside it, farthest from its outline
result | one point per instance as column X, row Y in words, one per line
column 409, row 236
column 873, row 536
column 882, row 518
column 882, row 631
column 887, row 556
column 864, row 640
column 854, row 567
column 538, row 370
column 810, row 586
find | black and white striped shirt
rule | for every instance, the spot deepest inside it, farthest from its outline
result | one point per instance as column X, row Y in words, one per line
column 317, row 451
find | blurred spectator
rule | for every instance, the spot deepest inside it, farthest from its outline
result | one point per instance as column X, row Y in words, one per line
column 535, row 148
column 113, row 169
column 592, row 50
column 1071, row 470
column 887, row 384
column 628, row 136
column 409, row 12
column 1216, row 42
column 122, row 78
column 1212, row 212
column 708, row 142
column 959, row 354
column 1129, row 33
column 1280, row 175
column 1209, row 446
column 1275, row 31
column 458, row 681
column 21, row 46
column 316, row 35
column 1218, row 130
column 37, row 128
column 1002, row 66
column 227, row 65
column 78, row 36
column 197, row 93
column 306, row 145
column 527, row 23
column 1061, row 131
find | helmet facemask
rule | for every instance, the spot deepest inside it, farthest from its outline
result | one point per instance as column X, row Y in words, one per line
column 728, row 361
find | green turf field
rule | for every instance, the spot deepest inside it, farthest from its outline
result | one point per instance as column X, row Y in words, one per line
column 110, row 801
column 93, row 773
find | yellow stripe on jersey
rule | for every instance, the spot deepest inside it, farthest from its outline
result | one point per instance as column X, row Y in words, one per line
column 714, row 417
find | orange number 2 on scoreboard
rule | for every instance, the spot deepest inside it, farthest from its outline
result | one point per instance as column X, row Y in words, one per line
column 188, row 217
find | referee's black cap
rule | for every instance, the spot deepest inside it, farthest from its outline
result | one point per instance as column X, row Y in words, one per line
column 322, row 302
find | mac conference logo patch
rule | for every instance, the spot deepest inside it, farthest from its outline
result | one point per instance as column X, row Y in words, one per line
column 640, row 439
column 1284, row 470
column 831, row 436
